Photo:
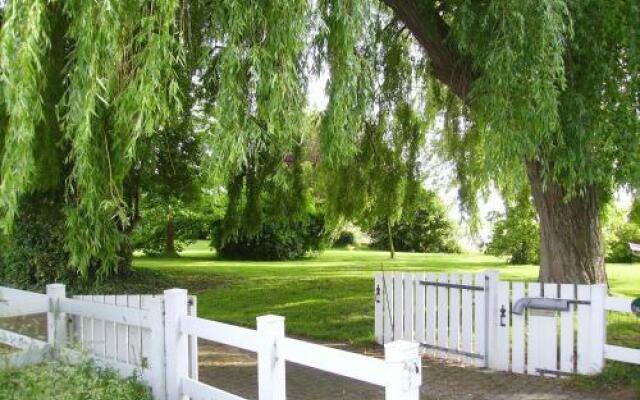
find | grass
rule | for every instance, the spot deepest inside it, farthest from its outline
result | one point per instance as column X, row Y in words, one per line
column 60, row 381
column 329, row 297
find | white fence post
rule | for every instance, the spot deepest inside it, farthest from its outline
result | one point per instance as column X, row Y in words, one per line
column 56, row 321
column 176, row 343
column 271, row 367
column 157, row 352
column 405, row 370
column 493, row 318
column 598, row 328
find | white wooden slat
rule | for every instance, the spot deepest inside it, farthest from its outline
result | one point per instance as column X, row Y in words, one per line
column 502, row 341
column 583, row 334
column 99, row 331
column 535, row 334
column 135, row 336
column 518, row 332
column 432, row 307
column 14, row 302
column 408, row 308
column 387, row 307
column 479, row 319
column 466, row 332
column 109, row 331
column 122, row 333
column 145, row 304
column 567, row 291
column 221, row 333
column 443, row 315
column 620, row 304
column 420, row 307
column 549, row 353
column 199, row 391
column 378, row 296
column 398, row 302
column 598, row 328
column 340, row 362
column 454, row 315
column 624, row 354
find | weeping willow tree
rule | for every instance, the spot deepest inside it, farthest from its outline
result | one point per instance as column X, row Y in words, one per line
column 82, row 83
column 539, row 93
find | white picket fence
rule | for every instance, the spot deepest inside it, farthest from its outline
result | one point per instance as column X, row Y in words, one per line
column 469, row 318
column 165, row 327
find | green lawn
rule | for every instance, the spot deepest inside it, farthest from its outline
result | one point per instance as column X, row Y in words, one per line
column 328, row 297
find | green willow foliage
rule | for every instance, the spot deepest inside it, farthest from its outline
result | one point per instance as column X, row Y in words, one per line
column 120, row 86
column 551, row 82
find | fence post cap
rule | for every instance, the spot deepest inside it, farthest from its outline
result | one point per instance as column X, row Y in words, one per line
column 401, row 350
column 175, row 291
column 55, row 287
column 269, row 319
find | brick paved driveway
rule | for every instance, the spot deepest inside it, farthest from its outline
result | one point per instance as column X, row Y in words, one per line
column 235, row 371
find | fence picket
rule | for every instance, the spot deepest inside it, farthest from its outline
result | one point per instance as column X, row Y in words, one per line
column 467, row 316
column 479, row 319
column 549, row 324
column 535, row 334
column 432, row 307
column 408, row 308
column 582, row 340
column 567, row 291
column 518, row 332
column 109, row 332
column 454, row 315
column 420, row 290
column 387, row 307
column 135, row 337
column 502, row 341
column 443, row 315
column 398, row 302
column 122, row 334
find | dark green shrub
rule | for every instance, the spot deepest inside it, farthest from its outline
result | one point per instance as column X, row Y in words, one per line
column 60, row 381
column 617, row 242
column 516, row 234
column 189, row 225
column 34, row 255
column 426, row 229
column 276, row 240
column 346, row 238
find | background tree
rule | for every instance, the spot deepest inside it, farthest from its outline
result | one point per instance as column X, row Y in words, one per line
column 423, row 229
column 517, row 93
column 516, row 234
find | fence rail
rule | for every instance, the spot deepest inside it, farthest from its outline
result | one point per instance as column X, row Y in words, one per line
column 111, row 330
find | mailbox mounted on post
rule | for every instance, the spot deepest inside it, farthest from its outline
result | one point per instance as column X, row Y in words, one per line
column 542, row 303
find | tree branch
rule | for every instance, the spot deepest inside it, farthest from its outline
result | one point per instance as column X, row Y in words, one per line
column 450, row 66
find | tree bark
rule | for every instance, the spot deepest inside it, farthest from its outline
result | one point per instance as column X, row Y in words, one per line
column 571, row 247
column 170, row 244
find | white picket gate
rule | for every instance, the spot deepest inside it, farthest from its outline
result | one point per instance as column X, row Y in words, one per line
column 470, row 318
column 110, row 331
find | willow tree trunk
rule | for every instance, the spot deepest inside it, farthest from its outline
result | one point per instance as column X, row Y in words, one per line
column 571, row 249
column 170, row 244
column 392, row 249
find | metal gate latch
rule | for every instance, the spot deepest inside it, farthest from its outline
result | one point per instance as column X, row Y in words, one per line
column 503, row 315
column 543, row 303
column 377, row 293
